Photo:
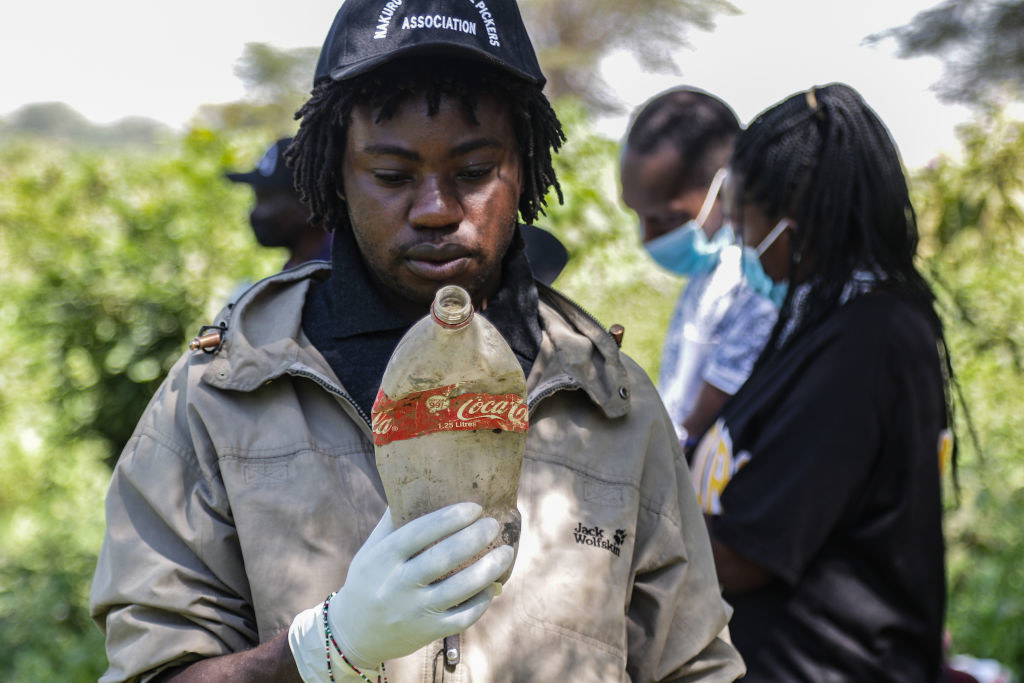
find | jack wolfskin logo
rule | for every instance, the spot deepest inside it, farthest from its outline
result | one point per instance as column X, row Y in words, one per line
column 594, row 535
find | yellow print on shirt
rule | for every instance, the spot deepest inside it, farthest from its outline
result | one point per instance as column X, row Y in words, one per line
column 945, row 451
column 713, row 467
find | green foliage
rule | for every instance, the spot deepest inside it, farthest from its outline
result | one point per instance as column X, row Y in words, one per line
column 972, row 221
column 608, row 274
column 110, row 263
column 983, row 193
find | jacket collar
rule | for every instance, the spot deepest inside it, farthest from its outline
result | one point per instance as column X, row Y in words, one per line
column 576, row 351
column 264, row 340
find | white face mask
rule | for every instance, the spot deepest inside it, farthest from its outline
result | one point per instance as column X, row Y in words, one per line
column 686, row 250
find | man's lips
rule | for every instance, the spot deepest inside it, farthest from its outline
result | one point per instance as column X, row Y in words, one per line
column 437, row 261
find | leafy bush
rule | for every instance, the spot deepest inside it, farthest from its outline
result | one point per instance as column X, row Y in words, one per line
column 608, row 274
column 972, row 220
column 110, row 262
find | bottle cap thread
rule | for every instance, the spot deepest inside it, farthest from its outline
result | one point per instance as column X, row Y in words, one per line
column 452, row 307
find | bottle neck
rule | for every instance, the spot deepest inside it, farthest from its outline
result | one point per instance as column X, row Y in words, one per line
column 452, row 308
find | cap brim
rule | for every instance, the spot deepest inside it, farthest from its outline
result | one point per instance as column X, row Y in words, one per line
column 255, row 179
column 438, row 48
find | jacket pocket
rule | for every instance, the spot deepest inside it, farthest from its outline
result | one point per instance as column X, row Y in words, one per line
column 574, row 570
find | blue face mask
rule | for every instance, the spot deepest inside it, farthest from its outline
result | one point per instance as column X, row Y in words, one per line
column 753, row 271
column 687, row 250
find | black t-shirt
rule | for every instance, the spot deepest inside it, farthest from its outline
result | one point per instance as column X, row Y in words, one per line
column 824, row 470
column 350, row 322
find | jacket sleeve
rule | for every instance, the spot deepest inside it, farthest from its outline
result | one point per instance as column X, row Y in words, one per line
column 170, row 585
column 677, row 620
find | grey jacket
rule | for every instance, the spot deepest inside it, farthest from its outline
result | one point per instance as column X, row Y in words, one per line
column 250, row 483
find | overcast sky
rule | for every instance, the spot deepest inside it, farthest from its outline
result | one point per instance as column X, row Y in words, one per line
column 113, row 58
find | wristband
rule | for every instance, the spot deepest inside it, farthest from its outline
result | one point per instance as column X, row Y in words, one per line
column 329, row 641
column 306, row 639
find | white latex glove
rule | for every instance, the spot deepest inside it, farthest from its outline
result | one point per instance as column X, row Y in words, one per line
column 389, row 606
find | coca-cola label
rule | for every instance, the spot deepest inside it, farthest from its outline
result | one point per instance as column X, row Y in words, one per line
column 440, row 410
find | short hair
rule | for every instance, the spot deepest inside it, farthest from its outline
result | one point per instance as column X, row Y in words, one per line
column 319, row 147
column 701, row 128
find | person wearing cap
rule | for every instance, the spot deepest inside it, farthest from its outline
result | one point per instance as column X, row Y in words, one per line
column 248, row 536
column 278, row 217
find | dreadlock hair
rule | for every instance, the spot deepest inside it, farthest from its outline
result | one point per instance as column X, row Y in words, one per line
column 701, row 128
column 319, row 146
column 824, row 158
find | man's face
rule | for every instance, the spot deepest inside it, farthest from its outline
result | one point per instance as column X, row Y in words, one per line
column 432, row 199
column 278, row 218
column 650, row 187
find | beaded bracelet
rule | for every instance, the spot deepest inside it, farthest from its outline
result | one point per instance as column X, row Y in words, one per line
column 329, row 640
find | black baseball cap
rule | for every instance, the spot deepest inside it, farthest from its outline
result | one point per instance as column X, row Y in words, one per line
column 271, row 171
column 368, row 33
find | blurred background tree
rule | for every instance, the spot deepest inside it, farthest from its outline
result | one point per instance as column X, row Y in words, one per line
column 573, row 36
column 277, row 82
column 981, row 43
column 58, row 121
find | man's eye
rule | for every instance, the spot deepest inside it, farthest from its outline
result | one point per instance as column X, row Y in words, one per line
column 391, row 177
column 476, row 172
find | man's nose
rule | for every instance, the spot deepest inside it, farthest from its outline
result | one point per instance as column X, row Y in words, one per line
column 435, row 206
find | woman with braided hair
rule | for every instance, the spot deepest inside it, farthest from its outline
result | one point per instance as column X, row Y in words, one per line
column 820, row 481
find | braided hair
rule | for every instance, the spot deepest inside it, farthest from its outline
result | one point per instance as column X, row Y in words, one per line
column 701, row 128
column 319, row 147
column 825, row 159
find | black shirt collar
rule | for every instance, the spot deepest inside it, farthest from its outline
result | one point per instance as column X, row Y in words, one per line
column 356, row 330
column 357, row 306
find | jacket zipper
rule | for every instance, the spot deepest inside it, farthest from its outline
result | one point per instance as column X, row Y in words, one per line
column 553, row 389
column 323, row 382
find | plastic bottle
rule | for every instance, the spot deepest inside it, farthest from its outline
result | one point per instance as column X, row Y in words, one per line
column 450, row 419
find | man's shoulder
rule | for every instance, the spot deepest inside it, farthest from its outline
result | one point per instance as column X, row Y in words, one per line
column 258, row 332
column 264, row 292
column 582, row 351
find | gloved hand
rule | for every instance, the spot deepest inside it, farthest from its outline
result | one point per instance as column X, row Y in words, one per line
column 389, row 606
